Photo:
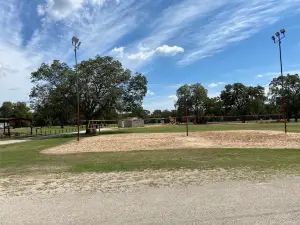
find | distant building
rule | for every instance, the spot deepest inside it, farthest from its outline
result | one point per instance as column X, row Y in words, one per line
column 131, row 122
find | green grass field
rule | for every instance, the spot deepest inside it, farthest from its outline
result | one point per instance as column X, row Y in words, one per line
column 291, row 127
column 26, row 158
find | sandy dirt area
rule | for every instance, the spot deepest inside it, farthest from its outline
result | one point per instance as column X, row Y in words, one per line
column 161, row 197
column 156, row 141
column 60, row 183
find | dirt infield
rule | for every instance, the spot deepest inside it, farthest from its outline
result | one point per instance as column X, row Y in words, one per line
column 156, row 141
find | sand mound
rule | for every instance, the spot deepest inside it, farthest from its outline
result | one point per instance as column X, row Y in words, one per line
column 156, row 141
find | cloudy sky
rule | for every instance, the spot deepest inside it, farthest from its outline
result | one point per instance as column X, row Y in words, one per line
column 172, row 42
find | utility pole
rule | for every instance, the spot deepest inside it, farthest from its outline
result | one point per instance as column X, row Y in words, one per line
column 76, row 43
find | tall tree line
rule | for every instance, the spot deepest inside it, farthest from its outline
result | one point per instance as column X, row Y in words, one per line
column 240, row 100
column 15, row 110
column 108, row 91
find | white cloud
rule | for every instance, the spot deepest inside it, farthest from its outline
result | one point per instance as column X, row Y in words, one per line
column 19, row 62
column 165, row 49
column 168, row 50
column 212, row 85
column 259, row 76
column 241, row 21
column 213, row 94
column 98, row 28
column 150, row 92
column 177, row 17
column 101, row 24
column 118, row 52
column 41, row 10
column 142, row 56
column 173, row 97
column 60, row 9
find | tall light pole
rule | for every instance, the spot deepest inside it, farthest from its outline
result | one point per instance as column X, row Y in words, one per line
column 76, row 43
column 280, row 35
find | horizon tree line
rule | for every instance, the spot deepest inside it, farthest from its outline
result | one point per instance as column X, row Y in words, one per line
column 110, row 92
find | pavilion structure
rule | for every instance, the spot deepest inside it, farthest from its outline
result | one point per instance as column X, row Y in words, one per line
column 7, row 122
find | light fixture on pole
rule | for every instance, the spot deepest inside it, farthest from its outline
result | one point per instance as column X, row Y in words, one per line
column 280, row 35
column 76, row 43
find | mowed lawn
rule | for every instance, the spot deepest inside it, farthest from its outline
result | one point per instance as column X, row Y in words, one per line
column 24, row 158
column 291, row 127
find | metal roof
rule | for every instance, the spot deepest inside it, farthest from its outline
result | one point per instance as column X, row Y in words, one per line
column 2, row 120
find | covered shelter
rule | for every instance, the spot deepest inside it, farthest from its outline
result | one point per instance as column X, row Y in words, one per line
column 7, row 122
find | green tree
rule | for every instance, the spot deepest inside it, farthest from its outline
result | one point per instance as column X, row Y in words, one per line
column 195, row 97
column 7, row 109
column 53, row 95
column 157, row 114
column 140, row 112
column 134, row 93
column 166, row 113
column 21, row 110
column 105, row 89
column 257, row 100
column 291, row 91
column 239, row 99
column 214, row 106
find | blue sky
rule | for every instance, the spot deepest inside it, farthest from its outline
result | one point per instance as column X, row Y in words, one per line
column 172, row 42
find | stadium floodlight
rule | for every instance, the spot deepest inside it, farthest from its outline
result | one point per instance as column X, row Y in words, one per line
column 76, row 43
column 280, row 35
column 282, row 31
column 75, row 40
column 273, row 38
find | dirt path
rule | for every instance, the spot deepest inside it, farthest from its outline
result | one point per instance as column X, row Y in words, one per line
column 210, row 201
column 9, row 142
column 156, row 141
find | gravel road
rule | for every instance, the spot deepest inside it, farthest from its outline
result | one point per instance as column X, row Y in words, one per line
column 228, row 202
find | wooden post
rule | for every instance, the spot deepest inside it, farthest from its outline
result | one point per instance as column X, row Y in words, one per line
column 284, row 110
column 186, row 118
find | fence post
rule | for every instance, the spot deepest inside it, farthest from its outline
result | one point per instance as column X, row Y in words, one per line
column 284, row 109
column 186, row 118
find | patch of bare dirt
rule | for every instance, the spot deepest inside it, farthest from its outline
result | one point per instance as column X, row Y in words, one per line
column 157, row 141
column 59, row 183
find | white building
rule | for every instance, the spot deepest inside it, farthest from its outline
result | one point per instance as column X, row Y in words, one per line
column 131, row 122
